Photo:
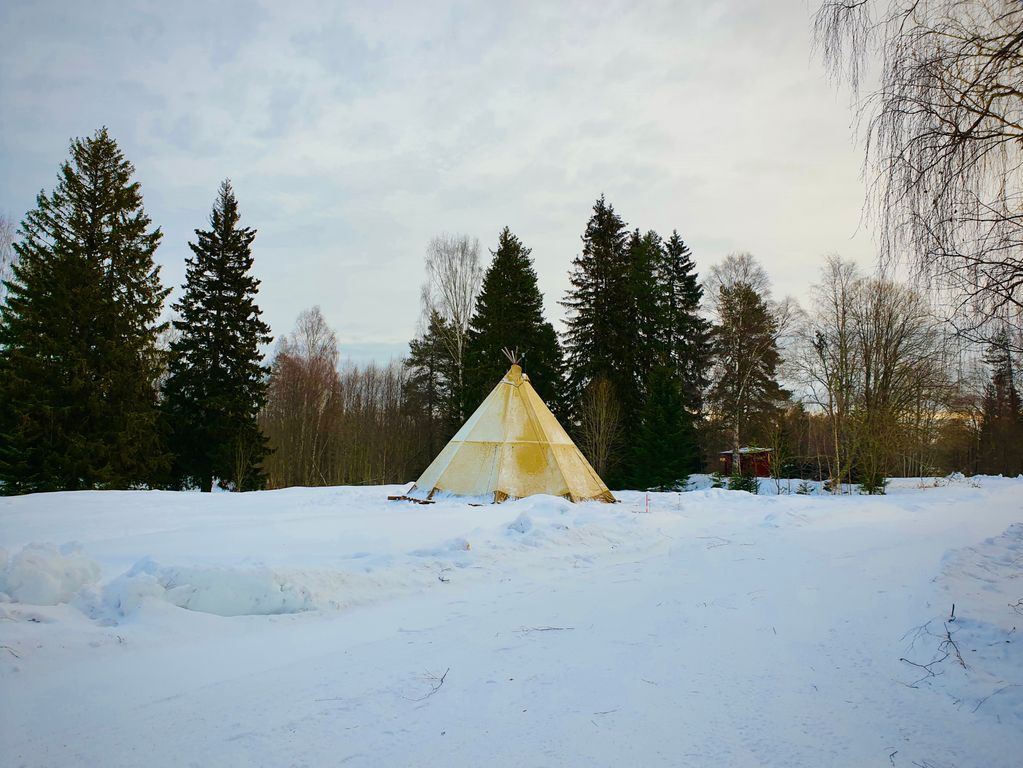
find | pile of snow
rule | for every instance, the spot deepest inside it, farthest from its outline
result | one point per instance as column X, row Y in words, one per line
column 521, row 524
column 220, row 591
column 43, row 574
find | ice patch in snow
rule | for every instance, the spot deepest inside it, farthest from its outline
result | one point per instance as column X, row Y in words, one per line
column 44, row 574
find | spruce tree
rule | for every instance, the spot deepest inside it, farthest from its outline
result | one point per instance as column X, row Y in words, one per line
column 78, row 332
column 430, row 390
column 598, row 303
column 639, row 343
column 644, row 323
column 666, row 359
column 663, row 449
column 217, row 382
column 509, row 315
column 686, row 334
column 601, row 331
column 1001, row 432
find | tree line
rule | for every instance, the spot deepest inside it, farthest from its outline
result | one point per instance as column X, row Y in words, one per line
column 658, row 370
column 92, row 396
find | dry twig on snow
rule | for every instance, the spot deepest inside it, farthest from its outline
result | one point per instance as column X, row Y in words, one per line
column 526, row 630
column 437, row 683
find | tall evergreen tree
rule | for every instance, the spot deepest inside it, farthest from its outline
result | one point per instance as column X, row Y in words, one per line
column 745, row 393
column 643, row 326
column 431, row 389
column 1001, row 432
column 600, row 324
column 78, row 332
column 686, row 334
column 509, row 315
column 667, row 349
column 598, row 302
column 217, row 382
column 664, row 449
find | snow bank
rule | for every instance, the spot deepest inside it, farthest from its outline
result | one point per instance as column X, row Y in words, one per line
column 220, row 591
column 44, row 574
column 981, row 670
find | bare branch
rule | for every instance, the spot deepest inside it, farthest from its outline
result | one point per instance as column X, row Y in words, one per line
column 436, row 683
column 943, row 134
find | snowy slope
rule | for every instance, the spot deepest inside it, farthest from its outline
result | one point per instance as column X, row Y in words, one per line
column 329, row 626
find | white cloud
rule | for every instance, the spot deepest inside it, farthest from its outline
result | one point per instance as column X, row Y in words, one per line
column 354, row 134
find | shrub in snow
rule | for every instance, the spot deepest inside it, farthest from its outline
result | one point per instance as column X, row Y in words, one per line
column 873, row 484
column 743, row 483
column 42, row 574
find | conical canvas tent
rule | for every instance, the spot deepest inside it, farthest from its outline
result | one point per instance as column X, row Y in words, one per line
column 511, row 447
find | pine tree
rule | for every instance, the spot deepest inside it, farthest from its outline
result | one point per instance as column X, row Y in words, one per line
column 430, row 391
column 509, row 315
column 746, row 391
column 217, row 381
column 1001, row 433
column 664, row 447
column 78, row 332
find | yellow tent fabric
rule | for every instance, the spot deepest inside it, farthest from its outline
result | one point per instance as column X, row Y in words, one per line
column 512, row 447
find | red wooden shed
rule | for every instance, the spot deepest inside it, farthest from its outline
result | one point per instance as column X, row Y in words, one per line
column 753, row 461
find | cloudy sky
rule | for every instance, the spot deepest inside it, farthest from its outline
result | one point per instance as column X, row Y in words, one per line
column 354, row 132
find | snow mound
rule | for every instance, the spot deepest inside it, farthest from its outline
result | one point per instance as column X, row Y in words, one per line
column 220, row 591
column 522, row 524
column 44, row 574
column 985, row 582
column 456, row 545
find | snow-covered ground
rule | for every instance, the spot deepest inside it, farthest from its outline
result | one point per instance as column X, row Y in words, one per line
column 314, row 627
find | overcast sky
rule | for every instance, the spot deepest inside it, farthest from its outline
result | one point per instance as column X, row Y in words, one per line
column 354, row 132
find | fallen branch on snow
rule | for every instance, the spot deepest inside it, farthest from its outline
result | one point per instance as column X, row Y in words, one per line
column 437, row 683
column 946, row 648
column 993, row 693
column 948, row 642
column 926, row 667
column 527, row 630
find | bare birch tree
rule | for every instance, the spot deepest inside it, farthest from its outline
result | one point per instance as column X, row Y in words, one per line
column 453, row 279
column 333, row 425
column 7, row 255
column 826, row 358
column 943, row 132
column 302, row 402
column 875, row 361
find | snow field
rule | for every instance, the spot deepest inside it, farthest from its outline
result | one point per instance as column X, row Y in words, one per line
column 327, row 626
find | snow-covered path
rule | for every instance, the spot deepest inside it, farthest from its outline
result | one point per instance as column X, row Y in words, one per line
column 720, row 629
